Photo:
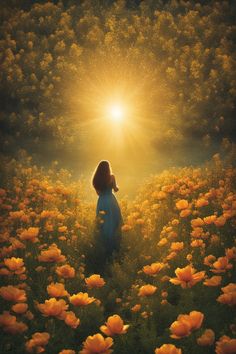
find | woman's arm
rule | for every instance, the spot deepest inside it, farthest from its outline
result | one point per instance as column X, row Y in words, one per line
column 114, row 185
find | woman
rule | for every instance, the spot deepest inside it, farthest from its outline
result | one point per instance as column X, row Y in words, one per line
column 108, row 211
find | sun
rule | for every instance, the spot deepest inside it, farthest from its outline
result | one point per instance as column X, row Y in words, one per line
column 116, row 112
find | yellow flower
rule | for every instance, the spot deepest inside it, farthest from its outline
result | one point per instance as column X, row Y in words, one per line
column 52, row 254
column 81, row 299
column 66, row 271
column 56, row 290
column 147, row 290
column 168, row 349
column 226, row 345
column 53, row 307
column 114, row 325
column 207, row 338
column 186, row 277
column 11, row 293
column 213, row 281
column 97, row 344
column 94, row 281
column 153, row 269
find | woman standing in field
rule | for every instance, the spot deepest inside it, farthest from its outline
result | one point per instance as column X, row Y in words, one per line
column 108, row 211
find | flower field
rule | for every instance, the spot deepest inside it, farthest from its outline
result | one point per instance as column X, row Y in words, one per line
column 170, row 290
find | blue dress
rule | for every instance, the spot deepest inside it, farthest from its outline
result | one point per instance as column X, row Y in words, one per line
column 109, row 220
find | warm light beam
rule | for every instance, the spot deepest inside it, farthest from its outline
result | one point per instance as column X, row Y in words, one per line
column 116, row 112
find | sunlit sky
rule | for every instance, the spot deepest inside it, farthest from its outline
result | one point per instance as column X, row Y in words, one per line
column 114, row 123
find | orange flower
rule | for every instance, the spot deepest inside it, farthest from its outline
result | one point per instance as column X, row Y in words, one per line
column 16, row 328
column 15, row 265
column 52, row 254
column 180, row 329
column 182, row 204
column 177, row 246
column 198, row 243
column 136, row 308
column 30, row 234
column 162, row 242
column 195, row 318
column 62, row 228
column 71, row 320
column 201, row 202
column 147, row 290
column 66, row 271
column 168, row 349
column 153, row 269
column 197, row 222
column 126, row 227
column 67, row 351
column 6, row 319
column 186, row 277
column 207, row 338
column 229, row 296
column 226, row 345
column 20, row 308
column 209, row 219
column 11, row 293
column 230, row 253
column 94, row 281
column 56, row 290
column 221, row 265
column 220, row 221
column 186, row 323
column 213, row 281
column 161, row 195
column 37, row 342
column 114, row 325
column 81, row 299
column 208, row 260
column 197, row 232
column 184, row 213
column 53, row 307
column 175, row 222
column 97, row 344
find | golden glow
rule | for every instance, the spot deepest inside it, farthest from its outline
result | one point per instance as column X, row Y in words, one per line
column 116, row 119
column 116, row 112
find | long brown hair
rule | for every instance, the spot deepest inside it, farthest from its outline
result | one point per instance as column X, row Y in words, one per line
column 102, row 176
